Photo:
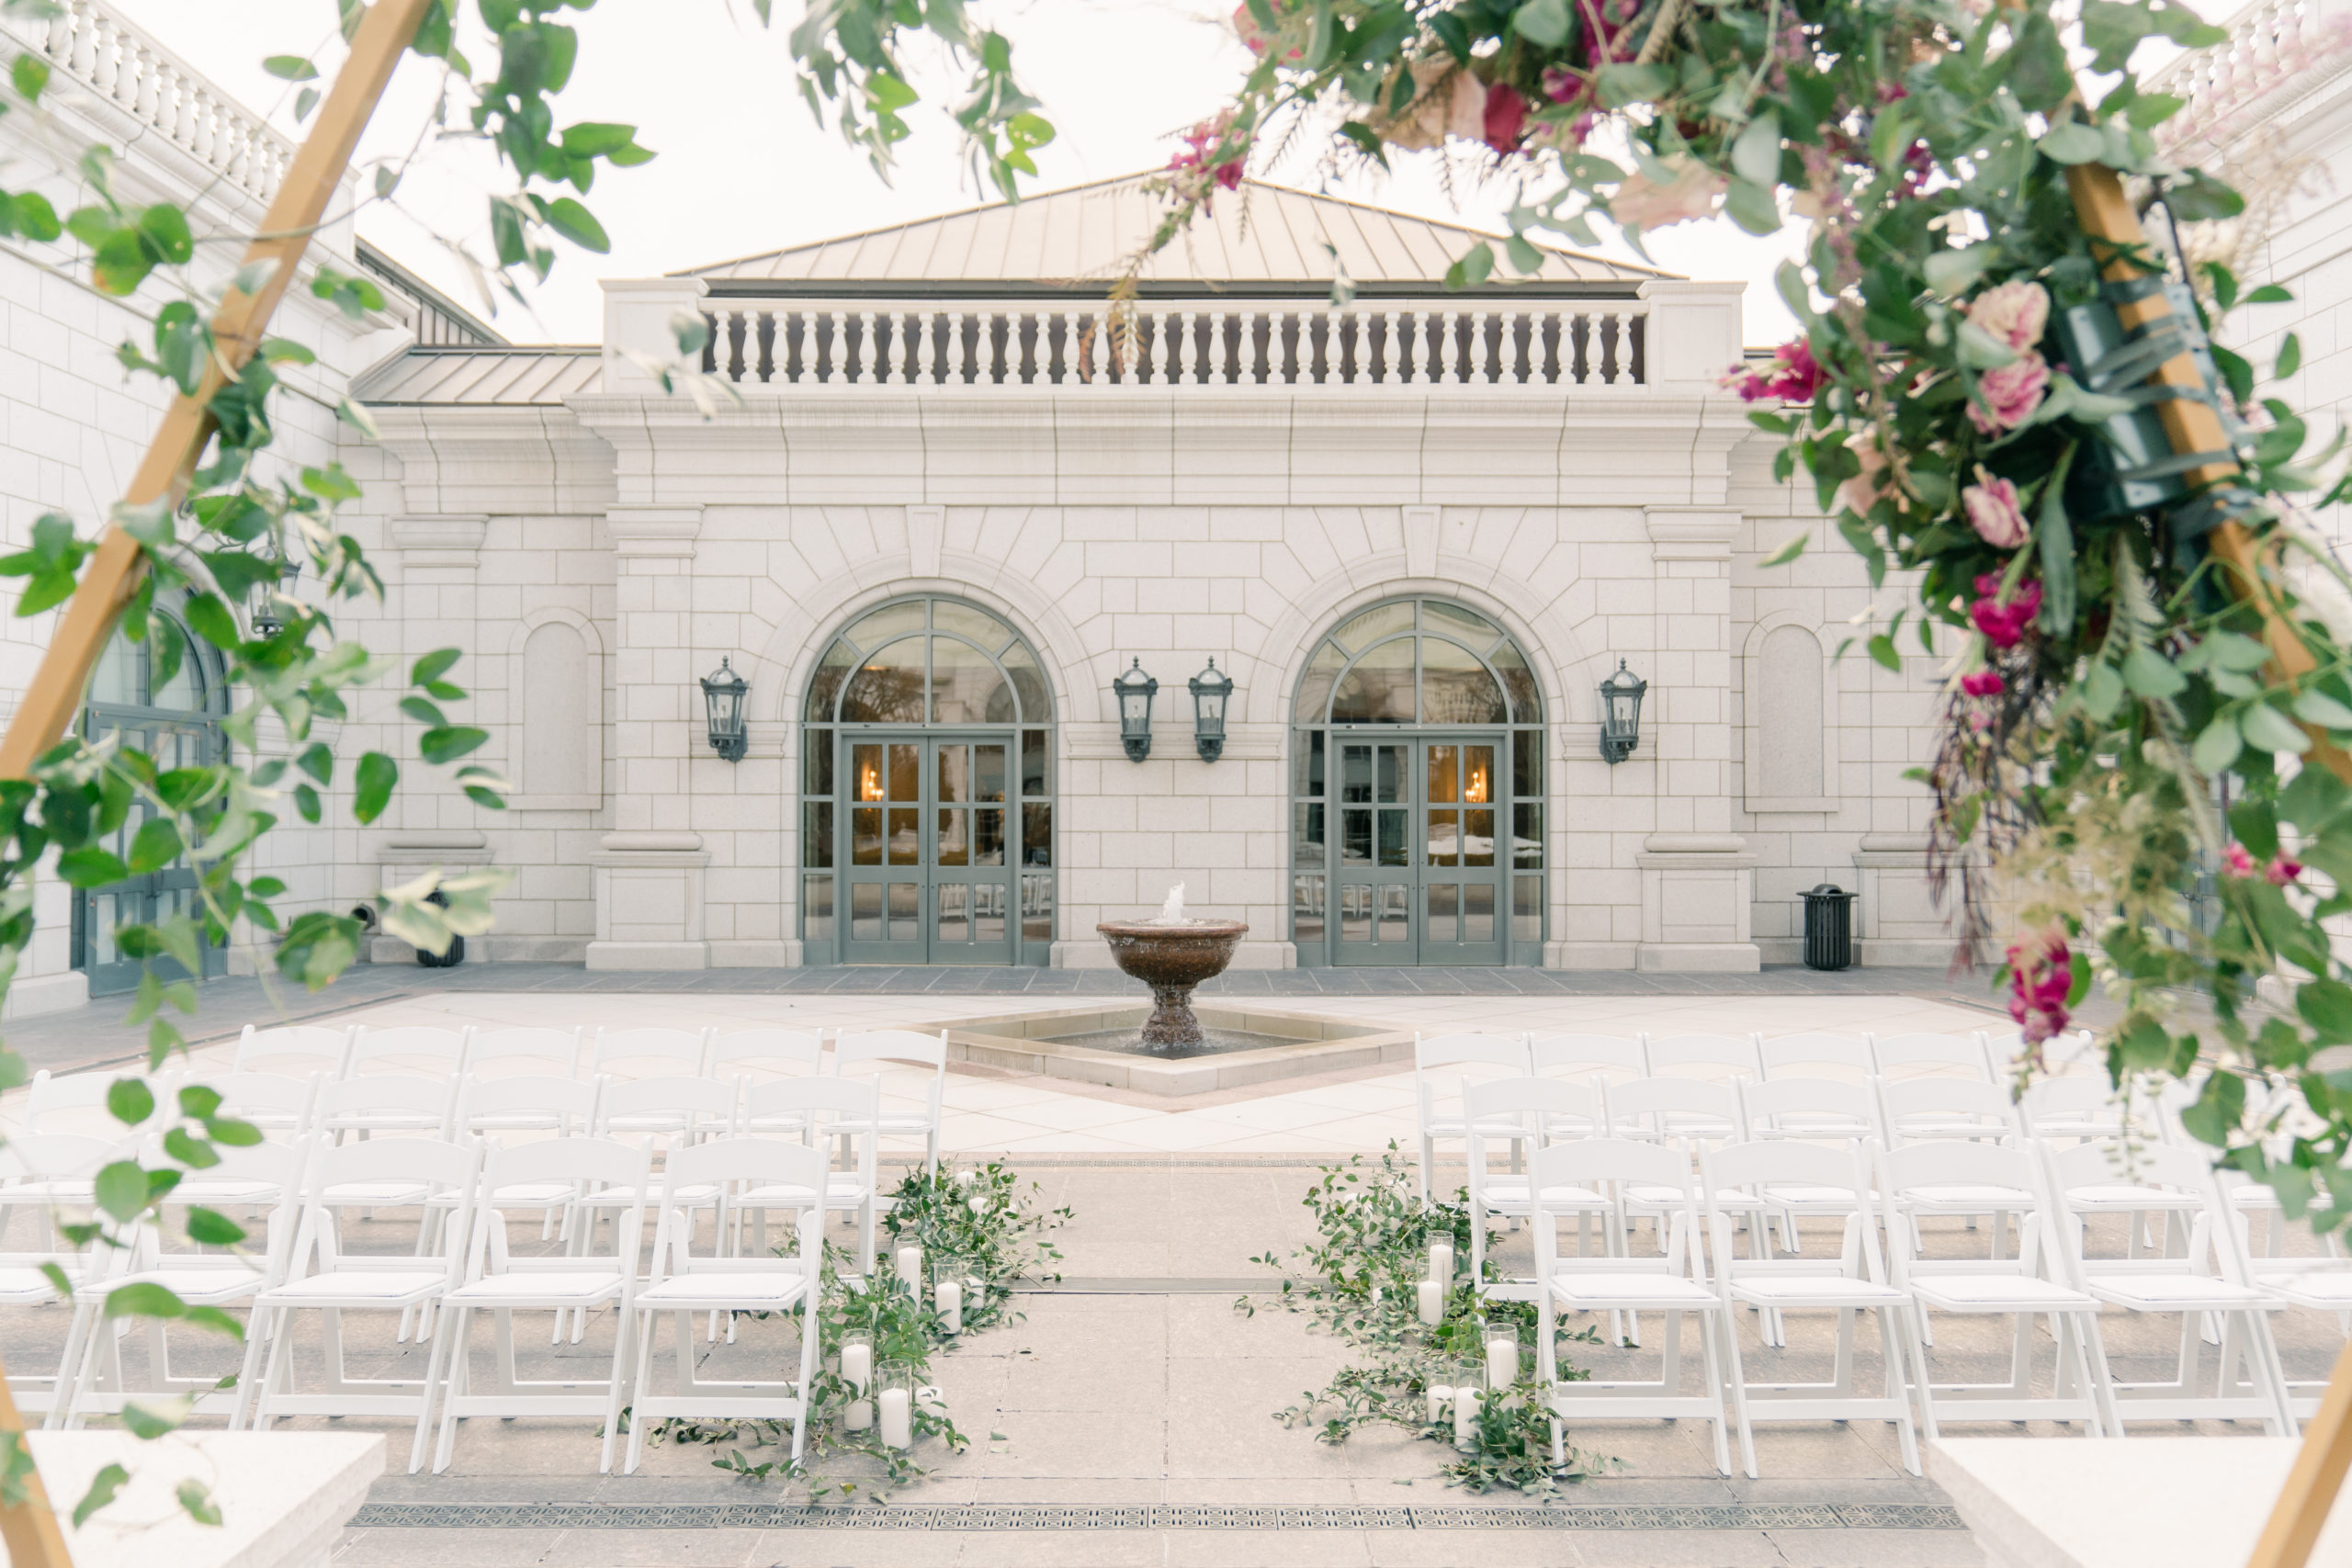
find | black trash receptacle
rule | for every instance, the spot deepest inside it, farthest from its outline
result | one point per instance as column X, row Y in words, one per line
column 1828, row 927
column 456, row 954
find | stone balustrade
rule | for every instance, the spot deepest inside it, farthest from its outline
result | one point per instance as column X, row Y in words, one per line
column 2277, row 52
column 1213, row 343
column 90, row 46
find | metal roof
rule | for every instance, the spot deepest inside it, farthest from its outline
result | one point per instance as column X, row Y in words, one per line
column 1262, row 238
column 507, row 377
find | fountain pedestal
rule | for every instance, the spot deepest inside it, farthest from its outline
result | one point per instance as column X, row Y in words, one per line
column 1172, row 959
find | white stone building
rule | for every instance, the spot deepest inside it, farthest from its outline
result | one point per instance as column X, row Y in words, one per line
column 946, row 506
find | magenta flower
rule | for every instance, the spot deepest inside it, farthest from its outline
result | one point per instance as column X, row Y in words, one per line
column 2282, row 872
column 1994, row 512
column 1983, row 683
column 2040, row 975
column 2004, row 623
column 1794, row 376
column 1561, row 84
column 1505, row 118
column 2235, row 862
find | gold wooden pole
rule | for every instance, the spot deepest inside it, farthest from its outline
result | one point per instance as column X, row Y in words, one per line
column 113, row 573
column 29, row 1530
column 2106, row 215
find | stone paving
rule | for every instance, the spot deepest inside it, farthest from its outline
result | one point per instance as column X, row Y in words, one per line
column 1128, row 1418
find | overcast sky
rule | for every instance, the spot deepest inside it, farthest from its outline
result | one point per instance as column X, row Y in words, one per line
column 742, row 167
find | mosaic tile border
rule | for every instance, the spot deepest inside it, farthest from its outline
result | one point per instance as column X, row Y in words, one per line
column 1157, row 1517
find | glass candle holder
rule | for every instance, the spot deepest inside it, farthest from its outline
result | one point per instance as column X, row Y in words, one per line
column 1437, row 1389
column 951, row 1283
column 1499, row 1342
column 1469, row 1377
column 895, row 1404
column 857, row 1370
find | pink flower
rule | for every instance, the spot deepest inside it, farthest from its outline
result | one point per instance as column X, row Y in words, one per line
column 1994, row 512
column 1198, row 143
column 2005, row 397
column 1641, row 204
column 1868, row 488
column 1506, row 118
column 2004, row 624
column 1792, row 377
column 2041, row 972
column 2015, row 313
column 1983, row 683
column 1561, row 84
column 2282, row 872
column 2235, row 862
column 1254, row 37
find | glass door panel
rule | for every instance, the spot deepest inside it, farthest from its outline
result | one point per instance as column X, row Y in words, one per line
column 1460, row 881
column 1416, row 870
column 884, row 859
column 971, row 874
column 1376, row 877
column 929, row 861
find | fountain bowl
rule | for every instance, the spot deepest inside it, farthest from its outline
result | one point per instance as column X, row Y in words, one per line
column 1172, row 959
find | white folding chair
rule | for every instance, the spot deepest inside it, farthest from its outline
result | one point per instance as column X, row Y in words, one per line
column 321, row 1277
column 76, row 1102
column 683, row 1283
column 877, row 1048
column 322, row 1048
column 776, row 1052
column 1779, row 1053
column 689, row 1108
column 1913, row 1110
column 2211, row 1279
column 1653, row 1110
column 261, row 1175
column 391, row 1102
column 42, row 1172
column 827, row 1111
column 529, row 1103
column 1808, row 1107
column 2081, row 1106
column 275, row 1102
column 1506, row 1053
column 1894, row 1056
column 550, row 1052
column 1530, row 1108
column 1579, row 1057
column 417, row 1049
column 542, row 1176
column 1922, row 1179
column 1712, row 1056
column 1853, row 1283
column 681, row 1052
column 1675, row 1285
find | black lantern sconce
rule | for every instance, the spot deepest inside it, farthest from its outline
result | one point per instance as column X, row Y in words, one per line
column 1135, row 691
column 722, row 693
column 1621, row 714
column 1210, row 690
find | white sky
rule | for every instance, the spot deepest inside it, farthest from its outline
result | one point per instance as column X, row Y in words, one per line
column 742, row 168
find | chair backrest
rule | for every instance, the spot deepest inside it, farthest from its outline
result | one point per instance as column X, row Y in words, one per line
column 275, row 1101
column 1762, row 1167
column 1658, row 1105
column 855, row 1049
column 329, row 1045
column 491, row 1102
column 1893, row 1054
column 1958, row 1162
column 2067, row 1048
column 684, row 1049
column 1714, row 1055
column 56, row 1156
column 774, row 1050
column 695, row 1105
column 1507, row 1051
column 415, row 1049
column 352, row 1100
column 2085, row 1103
column 557, row 1046
column 1782, row 1052
column 737, row 1161
column 1810, row 1107
column 586, row 1164
column 2213, row 1232
column 1613, row 1163
column 1937, row 1109
column 1574, row 1054
column 853, row 1101
column 52, row 1096
column 442, row 1168
column 1527, row 1102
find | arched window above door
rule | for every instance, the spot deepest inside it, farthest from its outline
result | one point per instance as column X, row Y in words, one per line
column 1418, row 662
column 928, row 661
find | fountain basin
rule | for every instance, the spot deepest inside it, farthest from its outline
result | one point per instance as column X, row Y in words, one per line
column 1172, row 958
column 1061, row 1042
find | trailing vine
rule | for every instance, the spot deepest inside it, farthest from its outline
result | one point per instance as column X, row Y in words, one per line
column 1359, row 1280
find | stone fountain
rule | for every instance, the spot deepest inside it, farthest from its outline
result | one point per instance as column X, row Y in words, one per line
column 1172, row 954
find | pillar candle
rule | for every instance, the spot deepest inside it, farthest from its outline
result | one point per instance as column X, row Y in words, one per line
column 1466, row 1416
column 1502, row 1363
column 911, row 1269
column 857, row 1367
column 966, row 1178
column 950, row 1298
column 1431, row 1300
column 898, row 1419
column 859, row 1416
column 1439, row 1397
column 1441, row 1263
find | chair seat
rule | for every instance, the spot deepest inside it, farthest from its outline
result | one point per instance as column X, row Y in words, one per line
column 1965, row 1197
column 785, row 1194
column 199, row 1287
column 718, row 1291
column 2117, row 1197
column 1656, row 1292
column 28, row 1286
column 1801, row 1126
column 1513, row 1195
column 392, row 1194
column 57, row 1190
column 514, row 1121
column 1730, row 1198
column 1800, row 1195
column 2328, row 1290
column 382, row 1122
column 1998, row 1293
column 1812, row 1289
column 355, row 1287
column 2077, row 1127
column 1911, row 1128
column 556, row 1285
column 699, row 1195
column 200, row 1191
column 2180, row 1292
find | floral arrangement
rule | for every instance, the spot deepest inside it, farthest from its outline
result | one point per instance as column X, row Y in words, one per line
column 2008, row 395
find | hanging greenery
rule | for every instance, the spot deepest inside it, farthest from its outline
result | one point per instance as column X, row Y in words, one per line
column 2145, row 648
column 1359, row 1280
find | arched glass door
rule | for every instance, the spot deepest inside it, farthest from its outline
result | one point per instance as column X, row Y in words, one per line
column 1417, row 793
column 174, row 716
column 927, row 814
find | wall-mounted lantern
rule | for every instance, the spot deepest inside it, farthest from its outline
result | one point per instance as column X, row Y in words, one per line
column 261, row 611
column 722, row 693
column 1621, row 714
column 1210, row 690
column 1135, row 691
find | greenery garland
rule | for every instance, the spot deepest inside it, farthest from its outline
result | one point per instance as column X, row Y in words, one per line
column 1359, row 1281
